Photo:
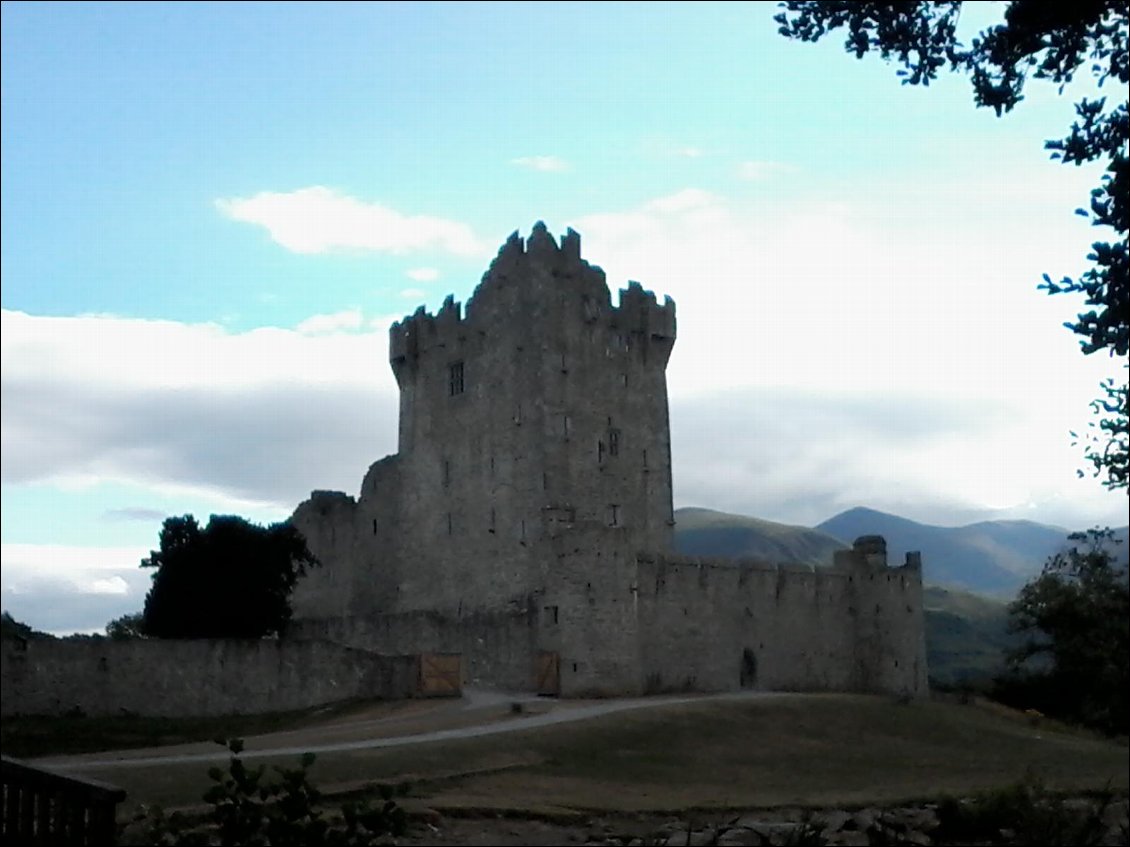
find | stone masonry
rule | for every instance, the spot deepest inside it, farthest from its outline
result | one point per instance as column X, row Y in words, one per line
column 526, row 520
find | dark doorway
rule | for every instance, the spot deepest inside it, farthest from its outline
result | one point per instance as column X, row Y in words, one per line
column 749, row 669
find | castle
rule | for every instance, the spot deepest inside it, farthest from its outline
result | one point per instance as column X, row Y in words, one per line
column 525, row 522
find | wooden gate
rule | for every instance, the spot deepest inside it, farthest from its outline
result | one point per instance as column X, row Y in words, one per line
column 548, row 673
column 441, row 675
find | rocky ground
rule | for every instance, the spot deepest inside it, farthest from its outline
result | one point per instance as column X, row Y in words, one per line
column 1071, row 821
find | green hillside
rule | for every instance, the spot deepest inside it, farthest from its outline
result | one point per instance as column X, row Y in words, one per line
column 705, row 532
column 966, row 636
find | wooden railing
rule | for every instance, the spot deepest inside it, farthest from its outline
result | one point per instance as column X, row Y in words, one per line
column 43, row 807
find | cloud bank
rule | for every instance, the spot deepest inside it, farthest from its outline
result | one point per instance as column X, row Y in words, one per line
column 320, row 220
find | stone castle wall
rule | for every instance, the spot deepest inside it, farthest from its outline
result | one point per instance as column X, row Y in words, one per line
column 718, row 625
column 169, row 678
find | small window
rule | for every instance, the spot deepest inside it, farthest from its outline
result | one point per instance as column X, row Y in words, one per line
column 613, row 515
column 455, row 379
column 613, row 442
column 551, row 613
column 374, row 526
column 449, row 524
column 446, row 472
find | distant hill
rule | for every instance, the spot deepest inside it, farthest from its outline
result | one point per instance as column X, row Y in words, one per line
column 704, row 532
column 994, row 557
column 966, row 636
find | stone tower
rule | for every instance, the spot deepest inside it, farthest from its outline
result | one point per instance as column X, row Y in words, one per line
column 533, row 440
column 542, row 409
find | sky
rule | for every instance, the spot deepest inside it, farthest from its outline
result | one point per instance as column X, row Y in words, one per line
column 212, row 212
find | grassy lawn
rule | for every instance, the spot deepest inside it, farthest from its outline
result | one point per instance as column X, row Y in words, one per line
column 27, row 736
column 806, row 750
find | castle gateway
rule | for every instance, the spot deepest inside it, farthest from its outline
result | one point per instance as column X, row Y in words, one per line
column 526, row 523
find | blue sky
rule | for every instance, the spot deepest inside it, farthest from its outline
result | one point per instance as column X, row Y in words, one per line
column 212, row 212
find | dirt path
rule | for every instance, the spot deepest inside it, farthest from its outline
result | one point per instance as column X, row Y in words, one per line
column 477, row 713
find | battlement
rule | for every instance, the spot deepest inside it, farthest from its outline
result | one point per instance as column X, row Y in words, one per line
column 539, row 277
column 869, row 553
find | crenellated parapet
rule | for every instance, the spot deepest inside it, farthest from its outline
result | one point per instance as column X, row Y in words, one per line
column 420, row 331
column 536, row 276
column 640, row 311
column 868, row 554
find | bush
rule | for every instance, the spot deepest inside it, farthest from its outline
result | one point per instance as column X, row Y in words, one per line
column 251, row 810
column 1025, row 813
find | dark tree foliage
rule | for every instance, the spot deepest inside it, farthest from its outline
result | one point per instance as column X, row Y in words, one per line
column 12, row 628
column 125, row 627
column 231, row 579
column 1038, row 39
column 1076, row 616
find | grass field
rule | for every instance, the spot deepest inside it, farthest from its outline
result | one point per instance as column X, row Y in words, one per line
column 26, row 736
column 808, row 750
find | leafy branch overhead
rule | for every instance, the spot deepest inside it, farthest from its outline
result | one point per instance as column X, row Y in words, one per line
column 1036, row 40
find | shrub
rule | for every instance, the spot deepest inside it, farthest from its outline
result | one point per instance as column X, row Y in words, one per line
column 250, row 809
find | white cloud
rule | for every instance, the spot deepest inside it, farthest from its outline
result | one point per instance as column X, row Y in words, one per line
column 261, row 417
column 755, row 170
column 413, row 294
column 546, row 164
column 85, row 570
column 802, row 306
column 690, row 152
column 62, row 589
column 319, row 220
column 349, row 319
column 422, row 274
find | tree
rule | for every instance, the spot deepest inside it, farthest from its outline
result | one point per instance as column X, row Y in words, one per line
column 231, row 579
column 1042, row 40
column 14, row 629
column 125, row 627
column 1076, row 614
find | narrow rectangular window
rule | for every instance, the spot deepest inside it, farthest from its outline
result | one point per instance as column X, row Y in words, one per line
column 446, row 472
column 449, row 525
column 613, row 515
column 599, row 451
column 645, row 459
column 545, row 482
column 565, row 425
column 455, row 379
column 492, row 521
column 374, row 526
column 613, row 442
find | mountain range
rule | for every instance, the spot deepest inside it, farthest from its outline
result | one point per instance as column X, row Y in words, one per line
column 989, row 557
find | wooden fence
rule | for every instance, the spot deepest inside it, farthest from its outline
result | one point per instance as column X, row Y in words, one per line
column 43, row 807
